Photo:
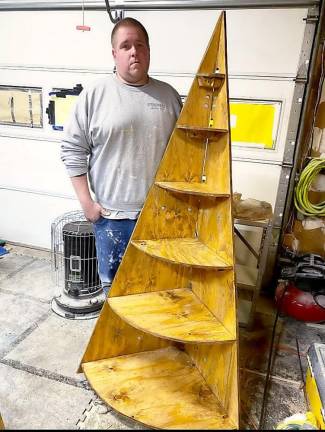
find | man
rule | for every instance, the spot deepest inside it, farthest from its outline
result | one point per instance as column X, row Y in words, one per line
column 115, row 138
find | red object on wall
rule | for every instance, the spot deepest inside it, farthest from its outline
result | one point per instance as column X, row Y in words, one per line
column 83, row 27
column 299, row 304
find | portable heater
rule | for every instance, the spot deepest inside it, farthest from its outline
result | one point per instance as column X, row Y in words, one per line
column 74, row 263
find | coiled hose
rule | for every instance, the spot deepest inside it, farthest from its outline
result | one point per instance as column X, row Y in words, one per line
column 301, row 200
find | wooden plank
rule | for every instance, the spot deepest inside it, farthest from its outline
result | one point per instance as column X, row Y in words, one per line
column 113, row 337
column 2, row 426
column 175, row 314
column 167, row 215
column 218, row 366
column 216, row 290
column 159, row 388
column 203, row 128
column 210, row 60
column 201, row 189
column 215, row 227
column 219, row 76
column 207, row 156
column 185, row 251
column 147, row 274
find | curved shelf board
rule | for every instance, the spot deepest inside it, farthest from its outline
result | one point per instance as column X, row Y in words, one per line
column 201, row 189
column 216, row 75
column 206, row 131
column 210, row 80
column 184, row 251
column 160, row 388
column 173, row 314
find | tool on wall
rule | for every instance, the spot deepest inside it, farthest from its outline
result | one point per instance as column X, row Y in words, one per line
column 83, row 27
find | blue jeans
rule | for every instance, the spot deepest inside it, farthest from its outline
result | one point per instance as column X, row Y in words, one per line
column 112, row 237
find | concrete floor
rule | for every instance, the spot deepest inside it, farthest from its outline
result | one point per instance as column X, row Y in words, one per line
column 40, row 352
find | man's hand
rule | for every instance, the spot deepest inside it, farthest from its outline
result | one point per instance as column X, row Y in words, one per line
column 92, row 211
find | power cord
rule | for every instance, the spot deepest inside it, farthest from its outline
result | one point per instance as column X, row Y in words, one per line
column 268, row 371
column 301, row 200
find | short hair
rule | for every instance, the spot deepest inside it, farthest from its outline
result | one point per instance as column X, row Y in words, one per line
column 131, row 22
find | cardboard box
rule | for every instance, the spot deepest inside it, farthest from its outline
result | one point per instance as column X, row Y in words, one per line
column 303, row 240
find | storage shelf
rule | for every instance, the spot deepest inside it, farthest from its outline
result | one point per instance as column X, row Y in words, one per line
column 202, row 130
column 201, row 189
column 185, row 251
column 213, row 80
column 160, row 388
column 246, row 276
column 175, row 314
column 216, row 75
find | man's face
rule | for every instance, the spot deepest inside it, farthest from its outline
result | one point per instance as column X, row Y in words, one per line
column 131, row 55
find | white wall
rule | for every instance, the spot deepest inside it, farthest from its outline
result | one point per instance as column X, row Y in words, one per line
column 44, row 49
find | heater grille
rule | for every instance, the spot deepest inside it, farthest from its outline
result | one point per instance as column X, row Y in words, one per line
column 74, row 267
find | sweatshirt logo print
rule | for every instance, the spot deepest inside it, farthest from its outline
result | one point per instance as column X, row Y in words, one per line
column 157, row 106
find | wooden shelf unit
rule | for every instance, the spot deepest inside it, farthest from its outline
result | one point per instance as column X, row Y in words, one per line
column 164, row 350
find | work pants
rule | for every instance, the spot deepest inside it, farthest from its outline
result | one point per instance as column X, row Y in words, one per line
column 111, row 237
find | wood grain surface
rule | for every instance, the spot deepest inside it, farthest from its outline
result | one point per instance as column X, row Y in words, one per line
column 160, row 388
column 176, row 314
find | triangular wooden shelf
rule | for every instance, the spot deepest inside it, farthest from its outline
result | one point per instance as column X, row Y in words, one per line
column 200, row 189
column 172, row 314
column 160, row 383
column 164, row 348
column 184, row 251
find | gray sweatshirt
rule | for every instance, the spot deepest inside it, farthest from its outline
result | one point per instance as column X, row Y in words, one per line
column 117, row 133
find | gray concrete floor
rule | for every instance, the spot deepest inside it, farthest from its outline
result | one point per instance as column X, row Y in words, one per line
column 40, row 353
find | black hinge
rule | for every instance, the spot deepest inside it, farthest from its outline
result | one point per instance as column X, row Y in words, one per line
column 311, row 19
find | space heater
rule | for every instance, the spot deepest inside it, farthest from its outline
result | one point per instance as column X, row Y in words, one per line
column 74, row 264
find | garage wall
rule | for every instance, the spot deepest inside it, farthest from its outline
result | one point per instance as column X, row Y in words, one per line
column 44, row 49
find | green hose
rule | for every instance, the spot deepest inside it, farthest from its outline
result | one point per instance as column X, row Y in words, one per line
column 302, row 203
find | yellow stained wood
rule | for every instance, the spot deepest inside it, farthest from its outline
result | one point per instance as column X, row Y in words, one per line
column 203, row 128
column 216, row 290
column 212, row 61
column 2, row 426
column 204, row 156
column 113, row 337
column 159, row 388
column 207, row 106
column 217, row 170
column 210, row 80
column 186, row 251
column 188, row 232
column 147, row 274
column 166, row 215
column 175, row 314
column 202, row 189
column 218, row 366
column 215, row 227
